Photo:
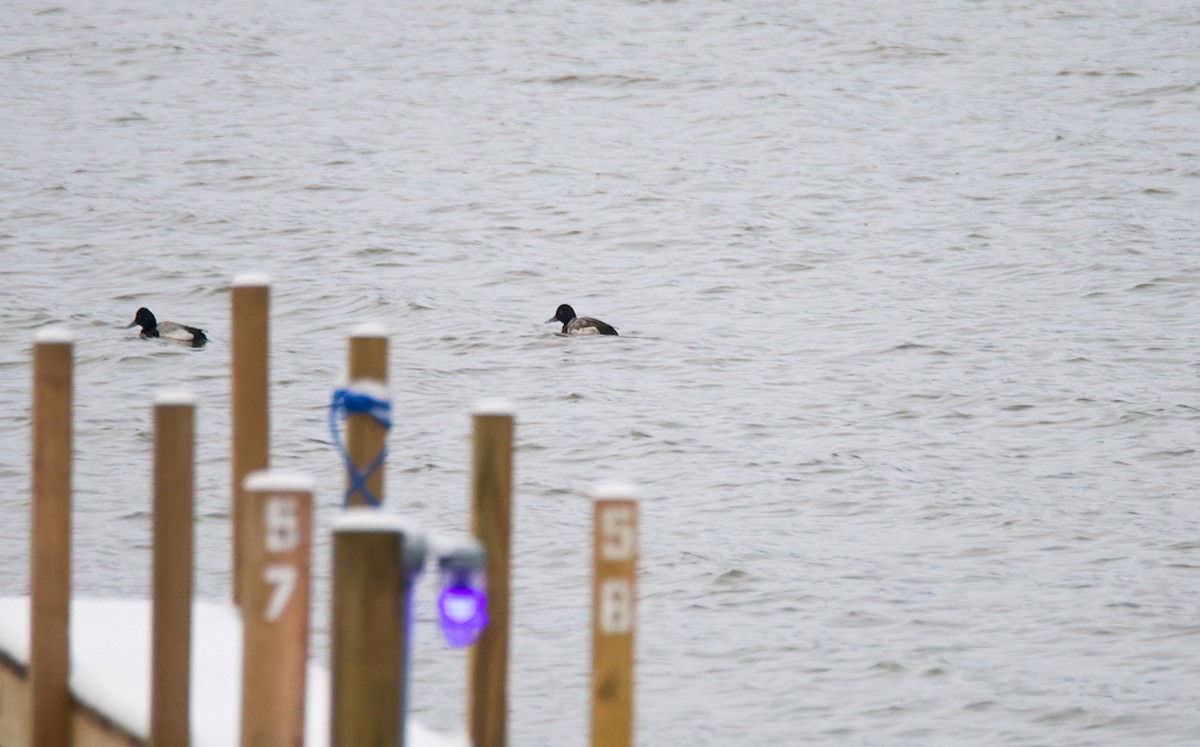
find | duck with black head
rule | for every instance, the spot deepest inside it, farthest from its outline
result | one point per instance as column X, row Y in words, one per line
column 580, row 325
column 151, row 327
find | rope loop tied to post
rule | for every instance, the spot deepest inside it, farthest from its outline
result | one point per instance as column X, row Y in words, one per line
column 368, row 398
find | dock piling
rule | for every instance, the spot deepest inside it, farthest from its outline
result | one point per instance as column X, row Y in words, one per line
column 249, row 317
column 374, row 562
column 50, row 528
column 365, row 436
column 491, row 512
column 276, row 558
column 614, row 607
column 171, row 594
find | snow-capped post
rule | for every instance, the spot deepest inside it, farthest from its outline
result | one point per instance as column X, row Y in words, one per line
column 491, row 497
column 249, row 314
column 50, row 532
column 276, row 555
column 375, row 561
column 614, row 608
column 171, row 584
column 366, row 436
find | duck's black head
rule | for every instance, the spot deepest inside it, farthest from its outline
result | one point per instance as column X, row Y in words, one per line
column 145, row 320
column 564, row 314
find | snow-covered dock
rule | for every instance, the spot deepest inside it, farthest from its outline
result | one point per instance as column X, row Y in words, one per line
column 110, row 677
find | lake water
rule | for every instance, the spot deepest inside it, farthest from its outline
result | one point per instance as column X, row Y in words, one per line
column 907, row 293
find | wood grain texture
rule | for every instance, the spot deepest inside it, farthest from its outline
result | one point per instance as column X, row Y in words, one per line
column 50, row 527
column 249, row 400
column 171, row 595
column 491, row 519
column 367, row 643
column 365, row 437
column 276, row 561
column 614, row 603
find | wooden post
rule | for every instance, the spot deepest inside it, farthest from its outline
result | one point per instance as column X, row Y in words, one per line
column 50, row 525
column 364, row 436
column 373, row 561
column 249, row 397
column 171, row 615
column 614, row 607
column 276, row 555
column 491, row 497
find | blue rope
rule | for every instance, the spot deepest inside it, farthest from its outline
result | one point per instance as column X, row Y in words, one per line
column 348, row 402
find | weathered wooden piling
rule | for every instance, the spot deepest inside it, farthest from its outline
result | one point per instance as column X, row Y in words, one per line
column 276, row 558
column 491, row 512
column 614, row 607
column 374, row 559
column 365, row 437
column 171, row 596
column 249, row 317
column 50, row 528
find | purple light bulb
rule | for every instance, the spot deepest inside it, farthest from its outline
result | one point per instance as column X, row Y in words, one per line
column 462, row 610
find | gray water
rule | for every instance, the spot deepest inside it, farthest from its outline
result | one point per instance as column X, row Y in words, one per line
column 907, row 294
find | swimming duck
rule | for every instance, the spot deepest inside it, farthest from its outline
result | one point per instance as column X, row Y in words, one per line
column 151, row 327
column 580, row 325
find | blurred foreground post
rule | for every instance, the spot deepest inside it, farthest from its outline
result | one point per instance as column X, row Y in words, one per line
column 50, row 529
column 374, row 563
column 171, row 595
column 614, row 607
column 491, row 497
column 249, row 317
column 275, row 607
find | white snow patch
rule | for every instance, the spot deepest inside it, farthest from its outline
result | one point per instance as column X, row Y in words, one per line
column 175, row 398
column 110, row 670
column 277, row 481
column 251, row 280
column 494, row 407
column 369, row 329
column 54, row 336
column 607, row 491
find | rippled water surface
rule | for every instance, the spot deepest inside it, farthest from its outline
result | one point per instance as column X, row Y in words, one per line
column 907, row 294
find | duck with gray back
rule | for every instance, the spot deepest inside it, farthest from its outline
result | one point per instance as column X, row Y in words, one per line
column 580, row 325
column 151, row 327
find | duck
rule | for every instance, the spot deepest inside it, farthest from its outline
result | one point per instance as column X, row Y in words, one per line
column 580, row 325
column 151, row 327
